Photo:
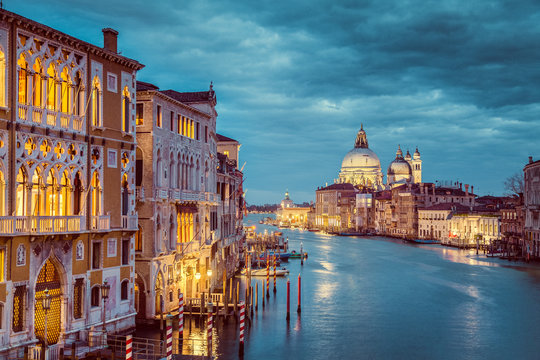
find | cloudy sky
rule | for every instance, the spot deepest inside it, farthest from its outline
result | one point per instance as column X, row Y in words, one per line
column 294, row 79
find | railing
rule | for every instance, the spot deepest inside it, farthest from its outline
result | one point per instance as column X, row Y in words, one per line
column 23, row 112
column 139, row 193
column 51, row 118
column 41, row 224
column 101, row 222
column 129, row 222
column 162, row 193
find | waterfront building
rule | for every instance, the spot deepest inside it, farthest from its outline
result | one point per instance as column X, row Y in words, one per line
column 67, row 173
column 288, row 214
column 434, row 220
column 230, row 212
column 177, row 199
column 335, row 205
column 512, row 223
column 382, row 204
column 479, row 227
column 365, row 212
column 531, row 197
column 286, row 202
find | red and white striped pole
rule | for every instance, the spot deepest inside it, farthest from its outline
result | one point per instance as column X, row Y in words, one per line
column 181, row 317
column 209, row 327
column 274, row 272
column 129, row 340
column 267, row 275
column 242, row 316
column 169, row 339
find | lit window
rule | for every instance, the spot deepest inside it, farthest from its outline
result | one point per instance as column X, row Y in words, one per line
column 37, row 93
column 18, row 308
column 21, row 193
column 2, row 265
column 51, row 88
column 65, row 92
column 158, row 116
column 2, row 78
column 126, row 102
column 78, row 298
column 226, row 153
column 139, row 117
column 96, row 102
column 96, row 195
column 23, row 80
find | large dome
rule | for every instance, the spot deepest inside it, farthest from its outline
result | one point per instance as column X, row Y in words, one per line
column 361, row 158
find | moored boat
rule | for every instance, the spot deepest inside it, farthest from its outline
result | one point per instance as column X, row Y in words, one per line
column 262, row 271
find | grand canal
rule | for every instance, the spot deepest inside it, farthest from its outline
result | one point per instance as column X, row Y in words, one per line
column 382, row 298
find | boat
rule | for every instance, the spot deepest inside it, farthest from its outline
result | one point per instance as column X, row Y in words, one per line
column 351, row 234
column 424, row 241
column 262, row 271
column 296, row 255
column 314, row 230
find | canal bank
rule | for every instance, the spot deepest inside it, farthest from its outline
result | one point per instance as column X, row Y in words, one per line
column 382, row 298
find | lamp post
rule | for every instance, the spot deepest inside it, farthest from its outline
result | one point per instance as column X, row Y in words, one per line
column 104, row 294
column 46, row 304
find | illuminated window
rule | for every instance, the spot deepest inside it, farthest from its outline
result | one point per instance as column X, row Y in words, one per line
column 37, row 84
column 96, row 194
column 124, row 290
column 226, row 153
column 158, row 116
column 2, row 78
column 51, row 88
column 139, row 117
column 192, row 129
column 51, row 197
column 23, row 80
column 138, row 240
column 21, row 196
column 64, row 197
column 78, row 97
column 2, row 265
column 78, row 298
column 2, row 194
column 125, row 195
column 94, row 296
column 65, row 91
column 126, row 104
column 96, row 102
column 18, row 308
column 37, row 194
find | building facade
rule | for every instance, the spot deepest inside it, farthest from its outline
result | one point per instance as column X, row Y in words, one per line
column 531, row 197
column 335, row 207
column 67, row 130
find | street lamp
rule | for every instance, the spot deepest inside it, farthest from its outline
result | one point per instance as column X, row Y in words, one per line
column 104, row 294
column 46, row 305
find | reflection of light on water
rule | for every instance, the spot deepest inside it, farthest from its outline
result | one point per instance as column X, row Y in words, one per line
column 463, row 257
column 325, row 291
column 328, row 266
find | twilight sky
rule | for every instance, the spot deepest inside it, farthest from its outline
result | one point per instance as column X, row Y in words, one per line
column 294, row 79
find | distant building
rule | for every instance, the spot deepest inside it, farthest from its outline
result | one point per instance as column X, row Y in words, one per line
column 335, row 206
column 434, row 221
column 477, row 227
column 287, row 202
column 531, row 197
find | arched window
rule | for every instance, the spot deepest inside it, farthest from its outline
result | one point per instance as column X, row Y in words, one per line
column 96, row 194
column 2, row 78
column 36, row 196
column 179, row 173
column 124, row 290
column 96, row 102
column 139, row 162
column 126, row 104
column 77, row 194
column 51, row 197
column 20, row 206
column 64, row 199
column 159, row 168
column 51, row 87
column 23, row 80
column 78, row 95
column 172, row 238
column 37, row 84
column 65, row 91
column 171, row 172
column 94, row 296
column 139, row 239
column 125, row 194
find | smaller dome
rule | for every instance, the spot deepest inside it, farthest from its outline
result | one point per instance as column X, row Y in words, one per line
column 408, row 156
column 399, row 167
column 417, row 154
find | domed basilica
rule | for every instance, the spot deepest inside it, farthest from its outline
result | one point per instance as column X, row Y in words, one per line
column 361, row 166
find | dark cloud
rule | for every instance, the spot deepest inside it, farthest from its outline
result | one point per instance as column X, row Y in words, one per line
column 295, row 79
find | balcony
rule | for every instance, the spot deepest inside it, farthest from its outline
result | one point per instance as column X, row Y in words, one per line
column 51, row 118
column 162, row 194
column 100, row 222
column 188, row 247
column 139, row 193
column 16, row 225
column 130, row 222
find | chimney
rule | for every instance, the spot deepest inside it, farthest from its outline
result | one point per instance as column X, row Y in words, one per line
column 460, row 186
column 530, row 160
column 110, row 37
column 433, row 189
column 466, row 189
column 472, row 189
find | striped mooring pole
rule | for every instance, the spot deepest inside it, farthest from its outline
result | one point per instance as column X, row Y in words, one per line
column 267, row 276
column 129, row 340
column 274, row 272
column 181, row 317
column 242, row 315
column 299, row 294
column 209, row 326
column 169, row 339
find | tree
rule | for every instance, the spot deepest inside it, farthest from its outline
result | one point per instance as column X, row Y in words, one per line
column 515, row 184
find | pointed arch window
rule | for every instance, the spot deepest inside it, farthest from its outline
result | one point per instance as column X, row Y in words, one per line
column 51, row 88
column 78, row 96
column 77, row 194
column 51, row 198
column 2, row 195
column 23, row 80
column 65, row 91
column 21, row 196
column 37, row 84
column 37, row 194
column 96, row 194
column 64, row 196
column 125, row 194
column 2, row 77
column 96, row 103
column 126, row 105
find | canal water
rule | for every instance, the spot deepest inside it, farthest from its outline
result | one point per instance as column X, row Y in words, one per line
column 380, row 298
